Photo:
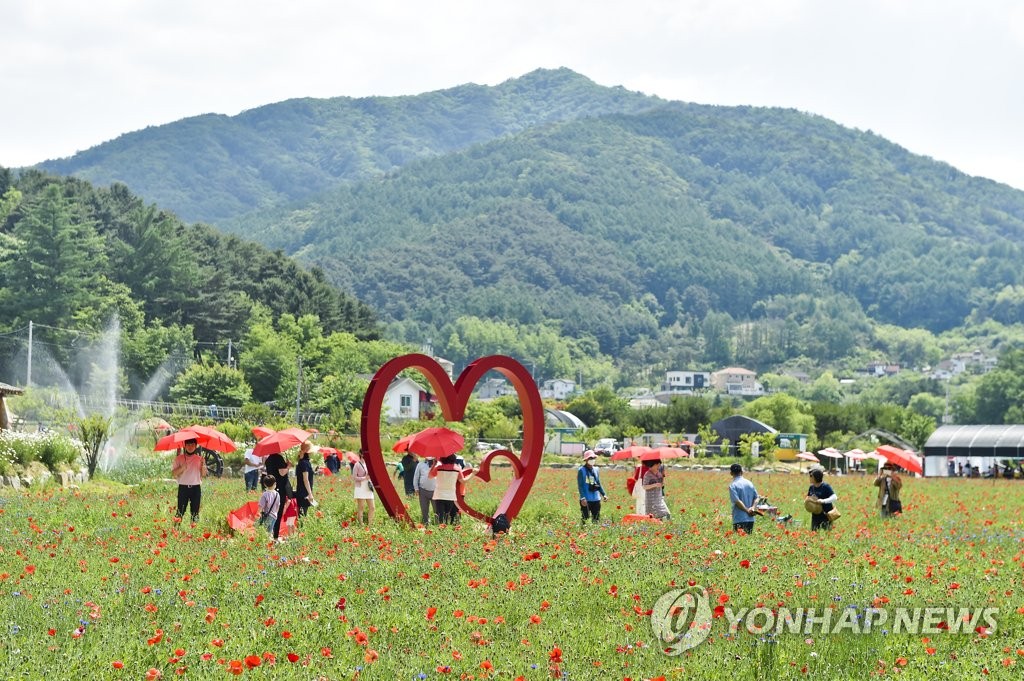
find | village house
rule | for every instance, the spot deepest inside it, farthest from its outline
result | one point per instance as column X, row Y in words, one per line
column 557, row 389
column 736, row 381
column 407, row 400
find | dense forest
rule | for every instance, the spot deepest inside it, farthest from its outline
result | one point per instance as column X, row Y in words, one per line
column 687, row 236
column 72, row 257
column 591, row 232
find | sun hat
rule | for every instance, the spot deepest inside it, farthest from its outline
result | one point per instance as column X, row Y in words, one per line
column 589, row 454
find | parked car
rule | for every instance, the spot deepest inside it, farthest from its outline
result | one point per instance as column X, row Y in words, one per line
column 607, row 446
column 487, row 446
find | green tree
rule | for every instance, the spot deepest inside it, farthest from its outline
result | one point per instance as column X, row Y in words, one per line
column 213, row 384
column 58, row 270
column 600, row 405
column 783, row 412
column 93, row 430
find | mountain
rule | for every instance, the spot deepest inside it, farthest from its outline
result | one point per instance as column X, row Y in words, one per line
column 213, row 167
column 619, row 226
column 662, row 234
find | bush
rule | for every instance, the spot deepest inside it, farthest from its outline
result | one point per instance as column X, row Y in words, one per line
column 58, row 451
column 19, row 450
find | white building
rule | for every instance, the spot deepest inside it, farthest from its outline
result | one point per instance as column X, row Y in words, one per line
column 405, row 399
column 557, row 389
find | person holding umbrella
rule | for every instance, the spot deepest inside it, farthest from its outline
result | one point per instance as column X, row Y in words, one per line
column 189, row 469
column 592, row 493
column 889, row 485
column 654, row 489
column 448, row 473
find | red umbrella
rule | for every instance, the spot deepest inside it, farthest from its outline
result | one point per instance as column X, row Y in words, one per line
column 659, row 453
column 281, row 441
column 630, row 452
column 403, row 444
column 175, row 440
column 901, row 458
column 244, row 517
column 436, row 442
column 262, row 431
column 211, row 438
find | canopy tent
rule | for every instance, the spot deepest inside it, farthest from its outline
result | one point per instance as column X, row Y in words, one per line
column 1004, row 441
column 980, row 445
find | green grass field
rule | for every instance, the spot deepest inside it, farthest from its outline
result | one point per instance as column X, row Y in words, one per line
column 102, row 583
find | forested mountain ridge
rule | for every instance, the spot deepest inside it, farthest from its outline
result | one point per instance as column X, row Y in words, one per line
column 72, row 257
column 573, row 224
column 213, row 167
column 769, row 234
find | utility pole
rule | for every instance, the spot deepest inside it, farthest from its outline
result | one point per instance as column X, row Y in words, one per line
column 28, row 376
column 298, row 393
column 231, row 360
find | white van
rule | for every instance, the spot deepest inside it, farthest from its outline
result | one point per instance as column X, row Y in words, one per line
column 607, row 446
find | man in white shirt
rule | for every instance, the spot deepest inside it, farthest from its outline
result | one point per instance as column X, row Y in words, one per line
column 424, row 485
column 251, row 470
column 189, row 469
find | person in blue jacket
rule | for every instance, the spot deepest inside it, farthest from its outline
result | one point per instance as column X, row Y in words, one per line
column 591, row 491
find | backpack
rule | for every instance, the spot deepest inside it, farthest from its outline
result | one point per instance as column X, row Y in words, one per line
column 500, row 523
column 630, row 485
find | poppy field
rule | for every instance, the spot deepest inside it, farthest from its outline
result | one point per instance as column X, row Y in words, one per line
column 102, row 582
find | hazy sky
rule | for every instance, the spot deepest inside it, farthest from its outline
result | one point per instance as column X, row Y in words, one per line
column 943, row 78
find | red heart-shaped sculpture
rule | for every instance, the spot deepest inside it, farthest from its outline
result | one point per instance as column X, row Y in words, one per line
column 453, row 399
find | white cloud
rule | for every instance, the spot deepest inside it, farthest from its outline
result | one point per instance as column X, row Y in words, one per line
column 940, row 77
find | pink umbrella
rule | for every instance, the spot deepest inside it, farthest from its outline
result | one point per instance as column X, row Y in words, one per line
column 830, row 452
column 807, row 456
column 858, row 455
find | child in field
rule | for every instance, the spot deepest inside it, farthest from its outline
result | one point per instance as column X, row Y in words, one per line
column 270, row 502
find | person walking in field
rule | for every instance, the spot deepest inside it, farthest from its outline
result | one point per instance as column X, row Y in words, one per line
column 269, row 504
column 304, row 479
column 588, row 482
column 189, row 469
column 743, row 497
column 424, row 485
column 889, row 485
column 820, row 500
column 363, row 491
column 654, row 489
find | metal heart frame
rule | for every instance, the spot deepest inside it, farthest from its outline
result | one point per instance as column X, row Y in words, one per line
column 452, row 400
